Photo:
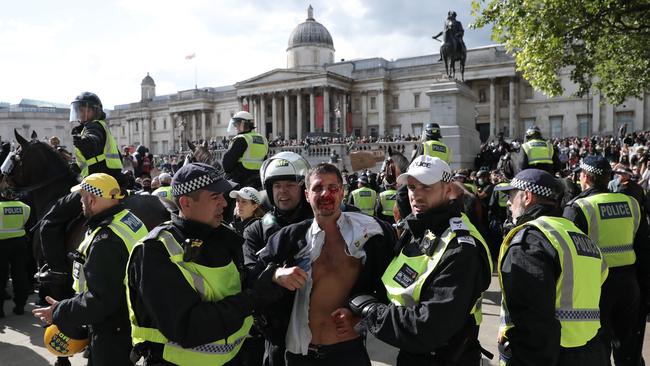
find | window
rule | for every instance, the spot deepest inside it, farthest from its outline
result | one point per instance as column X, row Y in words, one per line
column 505, row 94
column 123, row 131
column 357, row 132
column 396, row 131
column 154, row 123
column 374, row 131
column 416, row 100
column 154, row 147
column 528, row 123
column 556, row 126
column 624, row 118
column 584, row 124
column 373, row 103
column 219, row 117
column 137, row 126
column 165, row 147
column 395, row 101
column 164, row 124
column 528, row 92
column 417, row 129
column 482, row 95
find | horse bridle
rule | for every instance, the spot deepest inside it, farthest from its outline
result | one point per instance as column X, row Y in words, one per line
column 8, row 166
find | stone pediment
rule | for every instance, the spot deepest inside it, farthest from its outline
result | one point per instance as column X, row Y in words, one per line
column 280, row 75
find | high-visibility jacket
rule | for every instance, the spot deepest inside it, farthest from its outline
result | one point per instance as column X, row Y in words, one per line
column 110, row 154
column 538, row 152
column 471, row 187
column 577, row 291
column 502, row 196
column 407, row 293
column 128, row 227
column 612, row 220
column 14, row 216
column 256, row 150
column 387, row 201
column 437, row 149
column 212, row 284
column 364, row 199
column 164, row 192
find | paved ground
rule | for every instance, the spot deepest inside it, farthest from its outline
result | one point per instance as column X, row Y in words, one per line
column 21, row 337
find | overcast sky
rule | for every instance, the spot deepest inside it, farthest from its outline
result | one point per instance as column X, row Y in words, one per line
column 52, row 50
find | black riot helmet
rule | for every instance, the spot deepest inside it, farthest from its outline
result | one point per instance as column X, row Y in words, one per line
column 533, row 133
column 431, row 132
column 86, row 107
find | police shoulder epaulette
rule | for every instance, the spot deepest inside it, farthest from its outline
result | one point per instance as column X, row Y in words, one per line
column 458, row 226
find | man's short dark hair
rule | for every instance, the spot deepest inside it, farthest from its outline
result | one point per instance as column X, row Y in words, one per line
column 193, row 195
column 323, row 168
column 598, row 181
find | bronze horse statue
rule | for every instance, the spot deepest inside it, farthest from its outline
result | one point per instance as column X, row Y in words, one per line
column 38, row 172
column 451, row 51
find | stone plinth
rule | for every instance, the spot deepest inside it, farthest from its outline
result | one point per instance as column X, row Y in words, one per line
column 452, row 107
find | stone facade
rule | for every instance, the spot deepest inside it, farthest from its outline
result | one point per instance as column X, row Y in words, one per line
column 45, row 118
column 365, row 97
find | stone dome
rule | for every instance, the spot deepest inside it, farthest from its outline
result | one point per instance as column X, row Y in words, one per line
column 148, row 80
column 310, row 33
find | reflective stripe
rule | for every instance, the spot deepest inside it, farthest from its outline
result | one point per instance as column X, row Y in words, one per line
column 618, row 249
column 566, row 302
column 538, row 154
column 212, row 348
column 110, row 153
column 197, row 280
column 170, row 243
column 593, row 220
column 176, row 253
column 577, row 314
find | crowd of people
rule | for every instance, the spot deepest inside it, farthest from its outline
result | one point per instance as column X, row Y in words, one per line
column 266, row 260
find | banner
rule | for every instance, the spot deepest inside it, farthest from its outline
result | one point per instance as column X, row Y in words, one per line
column 320, row 113
column 348, row 123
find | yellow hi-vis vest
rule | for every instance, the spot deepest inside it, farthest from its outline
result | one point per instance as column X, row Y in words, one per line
column 577, row 291
column 387, row 201
column 538, row 152
column 471, row 187
column 405, row 276
column 126, row 226
column 502, row 196
column 212, row 284
column 612, row 221
column 257, row 149
column 14, row 216
column 110, row 154
column 164, row 192
column 437, row 149
column 364, row 199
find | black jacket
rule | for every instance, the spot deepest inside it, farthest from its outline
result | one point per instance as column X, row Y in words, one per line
column 235, row 169
column 163, row 299
column 103, row 305
column 288, row 241
column 91, row 143
column 442, row 320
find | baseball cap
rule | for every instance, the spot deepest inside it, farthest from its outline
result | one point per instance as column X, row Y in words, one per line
column 195, row 176
column 427, row 170
column 536, row 181
column 622, row 169
column 101, row 185
column 247, row 193
column 595, row 164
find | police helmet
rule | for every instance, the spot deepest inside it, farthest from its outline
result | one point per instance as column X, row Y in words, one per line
column 245, row 117
column 533, row 133
column 285, row 165
column 87, row 101
column 431, row 132
column 62, row 345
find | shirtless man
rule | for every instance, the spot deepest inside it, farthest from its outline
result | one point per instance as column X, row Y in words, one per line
column 322, row 262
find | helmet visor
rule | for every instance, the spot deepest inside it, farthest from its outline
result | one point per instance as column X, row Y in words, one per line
column 81, row 111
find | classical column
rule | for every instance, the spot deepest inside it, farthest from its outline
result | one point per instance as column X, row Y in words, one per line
column 364, row 113
column 262, row 121
column 287, row 127
column 493, row 108
column 128, row 132
column 194, row 126
column 146, row 132
column 595, row 119
column 609, row 119
column 382, row 113
column 326, row 110
column 344, row 115
column 512, row 108
column 312, row 111
column 274, row 115
column 299, row 115
column 172, row 123
column 203, row 122
column 240, row 103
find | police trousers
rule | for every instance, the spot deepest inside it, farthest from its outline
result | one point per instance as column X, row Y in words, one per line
column 15, row 254
column 53, row 227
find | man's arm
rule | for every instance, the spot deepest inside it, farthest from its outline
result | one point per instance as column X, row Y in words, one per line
column 91, row 142
column 234, row 153
column 573, row 213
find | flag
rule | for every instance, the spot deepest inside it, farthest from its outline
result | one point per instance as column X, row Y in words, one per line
column 189, row 57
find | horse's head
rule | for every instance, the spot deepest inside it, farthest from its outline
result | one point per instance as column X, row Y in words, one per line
column 33, row 162
column 201, row 154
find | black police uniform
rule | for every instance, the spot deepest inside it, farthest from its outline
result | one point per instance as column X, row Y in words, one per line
column 530, row 271
column 235, row 169
column 438, row 331
column 103, row 305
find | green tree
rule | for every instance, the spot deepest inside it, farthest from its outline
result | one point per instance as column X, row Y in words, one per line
column 604, row 43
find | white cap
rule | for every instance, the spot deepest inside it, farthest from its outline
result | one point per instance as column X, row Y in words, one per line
column 427, row 170
column 247, row 193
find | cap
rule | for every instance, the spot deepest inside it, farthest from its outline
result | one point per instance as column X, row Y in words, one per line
column 622, row 169
column 427, row 170
column 247, row 193
column 536, row 181
column 195, row 176
column 595, row 164
column 101, row 185
column 165, row 177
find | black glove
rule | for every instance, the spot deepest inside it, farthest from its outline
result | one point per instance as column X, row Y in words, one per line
column 265, row 292
column 76, row 140
column 362, row 305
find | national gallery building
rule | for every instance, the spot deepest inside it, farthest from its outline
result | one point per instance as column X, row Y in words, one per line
column 364, row 97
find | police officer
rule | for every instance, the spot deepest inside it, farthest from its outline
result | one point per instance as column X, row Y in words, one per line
column 613, row 221
column 95, row 151
column 539, row 153
column 497, row 216
column 386, row 202
column 165, row 189
column 13, row 244
column 247, row 151
column 435, row 283
column 363, row 197
column 431, row 144
column 551, row 275
column 99, row 266
column 184, row 285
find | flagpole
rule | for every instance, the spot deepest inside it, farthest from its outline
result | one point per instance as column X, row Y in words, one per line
column 195, row 83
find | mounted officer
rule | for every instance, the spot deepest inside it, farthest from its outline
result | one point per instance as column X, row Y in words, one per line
column 247, row 151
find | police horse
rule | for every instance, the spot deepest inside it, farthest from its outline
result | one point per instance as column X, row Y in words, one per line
column 38, row 173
